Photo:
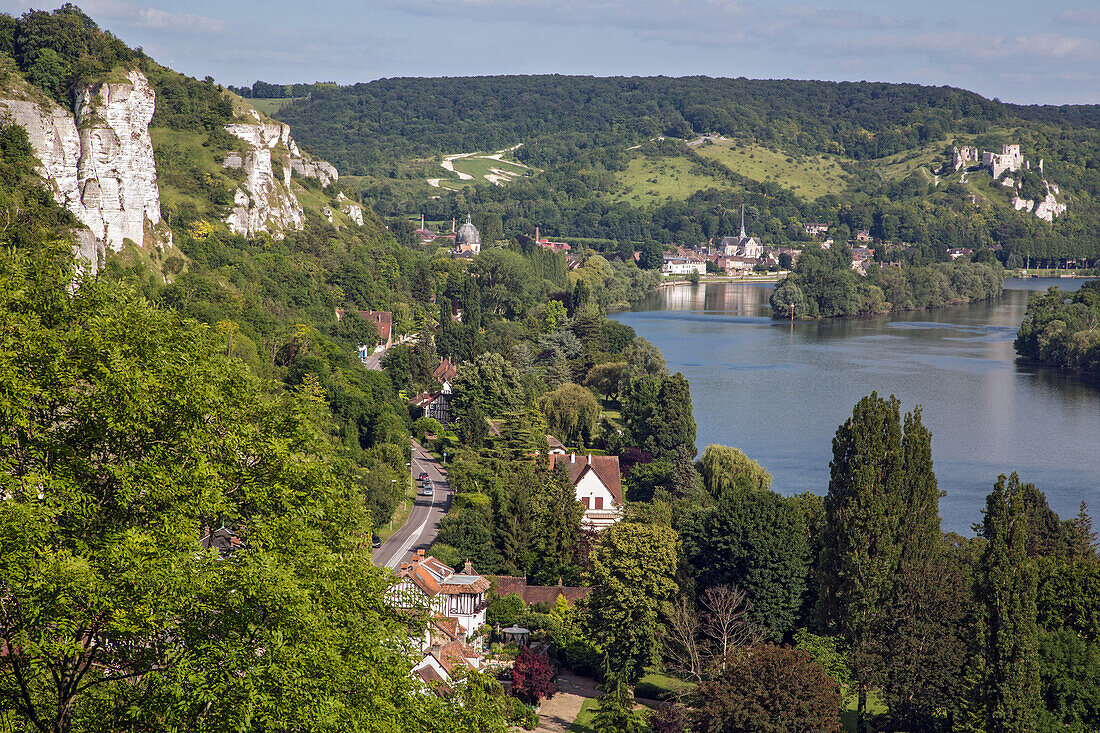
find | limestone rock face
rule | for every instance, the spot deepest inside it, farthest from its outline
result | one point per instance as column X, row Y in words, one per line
column 352, row 209
column 266, row 202
column 99, row 162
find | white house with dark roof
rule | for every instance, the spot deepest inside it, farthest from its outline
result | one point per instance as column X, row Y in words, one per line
column 598, row 484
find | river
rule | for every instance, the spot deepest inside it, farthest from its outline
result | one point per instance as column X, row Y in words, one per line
column 778, row 390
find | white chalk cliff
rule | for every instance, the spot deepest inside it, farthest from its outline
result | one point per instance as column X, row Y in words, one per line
column 265, row 202
column 99, row 161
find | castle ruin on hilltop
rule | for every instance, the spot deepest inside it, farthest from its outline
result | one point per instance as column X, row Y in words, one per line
column 1009, row 159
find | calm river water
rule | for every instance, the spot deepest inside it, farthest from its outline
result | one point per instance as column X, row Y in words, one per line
column 778, row 390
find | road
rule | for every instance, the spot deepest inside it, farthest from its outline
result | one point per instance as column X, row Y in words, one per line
column 422, row 526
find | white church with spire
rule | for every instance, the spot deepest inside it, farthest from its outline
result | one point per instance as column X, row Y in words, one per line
column 743, row 245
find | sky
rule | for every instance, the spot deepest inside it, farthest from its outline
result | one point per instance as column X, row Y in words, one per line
column 1018, row 51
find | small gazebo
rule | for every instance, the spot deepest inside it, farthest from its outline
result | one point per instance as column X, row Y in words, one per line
column 517, row 634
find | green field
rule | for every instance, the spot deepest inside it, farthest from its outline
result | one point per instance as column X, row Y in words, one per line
column 808, row 176
column 656, row 180
column 270, row 106
column 478, row 167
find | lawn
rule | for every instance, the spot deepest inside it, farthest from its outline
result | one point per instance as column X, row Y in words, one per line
column 848, row 718
column 655, row 180
column 586, row 718
column 657, row 686
column 809, row 176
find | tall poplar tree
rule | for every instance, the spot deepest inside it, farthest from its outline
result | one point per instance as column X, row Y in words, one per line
column 882, row 523
column 1006, row 587
column 920, row 532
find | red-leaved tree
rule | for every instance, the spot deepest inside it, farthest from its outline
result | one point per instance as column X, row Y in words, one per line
column 533, row 677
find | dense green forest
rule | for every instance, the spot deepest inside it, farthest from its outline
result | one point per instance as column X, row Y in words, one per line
column 889, row 139
column 823, row 285
column 1060, row 329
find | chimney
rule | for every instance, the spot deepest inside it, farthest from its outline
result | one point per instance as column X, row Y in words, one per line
column 536, row 235
column 452, row 225
column 559, row 581
column 468, row 568
column 404, row 566
column 590, row 459
column 422, row 221
column 572, row 457
column 420, row 553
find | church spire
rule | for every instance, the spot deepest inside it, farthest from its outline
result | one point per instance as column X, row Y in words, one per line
column 743, row 235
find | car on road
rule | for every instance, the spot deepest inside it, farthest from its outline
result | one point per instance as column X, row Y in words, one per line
column 427, row 490
column 423, row 476
column 375, row 541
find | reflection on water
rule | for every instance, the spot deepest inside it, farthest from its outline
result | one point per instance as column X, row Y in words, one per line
column 778, row 390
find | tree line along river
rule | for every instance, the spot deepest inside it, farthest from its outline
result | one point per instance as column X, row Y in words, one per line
column 778, row 390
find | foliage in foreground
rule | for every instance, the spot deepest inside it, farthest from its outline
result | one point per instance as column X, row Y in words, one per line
column 126, row 431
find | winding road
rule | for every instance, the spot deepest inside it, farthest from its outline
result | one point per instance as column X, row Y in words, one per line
column 422, row 526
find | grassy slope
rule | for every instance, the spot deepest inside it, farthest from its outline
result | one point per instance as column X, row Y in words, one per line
column 808, row 176
column 270, row 106
column 655, row 180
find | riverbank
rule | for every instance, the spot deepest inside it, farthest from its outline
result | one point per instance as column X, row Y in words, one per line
column 778, row 390
column 769, row 278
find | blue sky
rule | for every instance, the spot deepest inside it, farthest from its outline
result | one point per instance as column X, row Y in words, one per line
column 1028, row 52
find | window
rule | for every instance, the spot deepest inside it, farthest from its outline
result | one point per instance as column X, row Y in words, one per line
column 599, row 502
column 585, row 500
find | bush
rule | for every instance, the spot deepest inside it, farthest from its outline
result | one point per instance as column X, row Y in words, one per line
column 533, row 677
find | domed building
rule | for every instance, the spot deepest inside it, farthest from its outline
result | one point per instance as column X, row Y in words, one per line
column 468, row 238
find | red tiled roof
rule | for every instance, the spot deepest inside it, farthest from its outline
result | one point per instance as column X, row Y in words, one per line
column 446, row 371
column 605, row 467
column 454, row 655
column 383, row 321
column 505, row 585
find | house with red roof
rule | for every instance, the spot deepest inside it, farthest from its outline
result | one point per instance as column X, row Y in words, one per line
column 598, row 484
column 428, row 582
column 445, row 654
column 382, row 320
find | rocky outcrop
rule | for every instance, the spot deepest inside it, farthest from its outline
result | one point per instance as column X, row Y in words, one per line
column 265, row 202
column 99, row 161
column 353, row 210
column 1046, row 208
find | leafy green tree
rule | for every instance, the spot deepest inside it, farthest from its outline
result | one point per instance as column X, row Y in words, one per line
column 126, row 431
column 754, row 540
column 863, row 517
column 768, row 689
column 489, row 382
column 572, row 414
column 633, row 572
column 788, row 301
column 1006, row 589
column 1069, row 682
column 676, row 428
column 727, row 470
